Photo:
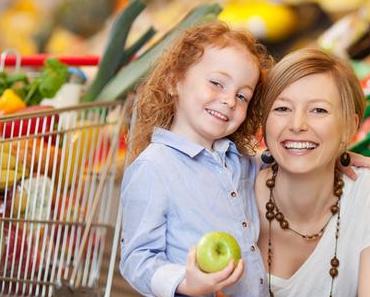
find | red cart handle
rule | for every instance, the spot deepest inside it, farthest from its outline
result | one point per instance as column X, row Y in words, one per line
column 38, row 60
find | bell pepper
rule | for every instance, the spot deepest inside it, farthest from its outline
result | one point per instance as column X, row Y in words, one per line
column 10, row 102
column 13, row 128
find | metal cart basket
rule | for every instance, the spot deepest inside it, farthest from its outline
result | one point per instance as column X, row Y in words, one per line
column 56, row 177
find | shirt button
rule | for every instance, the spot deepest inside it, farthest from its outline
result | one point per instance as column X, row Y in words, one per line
column 261, row 281
column 253, row 248
column 244, row 224
column 233, row 194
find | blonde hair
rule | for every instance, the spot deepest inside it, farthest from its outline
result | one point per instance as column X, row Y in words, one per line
column 307, row 61
column 156, row 101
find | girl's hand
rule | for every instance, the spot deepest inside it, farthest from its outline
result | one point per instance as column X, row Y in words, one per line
column 197, row 283
column 357, row 160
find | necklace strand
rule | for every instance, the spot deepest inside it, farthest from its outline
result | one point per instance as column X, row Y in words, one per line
column 284, row 224
column 273, row 212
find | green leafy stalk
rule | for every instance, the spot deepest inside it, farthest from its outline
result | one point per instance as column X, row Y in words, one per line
column 128, row 77
column 114, row 53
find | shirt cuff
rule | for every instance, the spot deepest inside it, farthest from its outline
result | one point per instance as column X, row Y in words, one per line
column 166, row 280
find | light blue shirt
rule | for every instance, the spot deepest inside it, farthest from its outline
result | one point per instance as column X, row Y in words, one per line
column 174, row 193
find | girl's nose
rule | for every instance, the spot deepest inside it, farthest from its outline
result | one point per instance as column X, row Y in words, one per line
column 229, row 99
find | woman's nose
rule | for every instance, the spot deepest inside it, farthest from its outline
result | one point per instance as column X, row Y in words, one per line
column 298, row 122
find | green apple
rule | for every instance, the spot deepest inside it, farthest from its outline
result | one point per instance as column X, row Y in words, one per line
column 215, row 250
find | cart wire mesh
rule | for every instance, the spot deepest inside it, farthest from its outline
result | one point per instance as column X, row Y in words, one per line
column 50, row 166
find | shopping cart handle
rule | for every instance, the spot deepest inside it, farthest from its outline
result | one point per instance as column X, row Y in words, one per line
column 38, row 60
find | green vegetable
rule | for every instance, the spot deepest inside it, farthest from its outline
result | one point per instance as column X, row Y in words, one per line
column 129, row 76
column 114, row 56
column 52, row 77
column 16, row 81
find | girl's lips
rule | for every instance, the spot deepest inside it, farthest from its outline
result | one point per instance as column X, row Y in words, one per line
column 217, row 114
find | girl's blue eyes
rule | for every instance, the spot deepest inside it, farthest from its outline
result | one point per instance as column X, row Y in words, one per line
column 241, row 97
column 217, row 84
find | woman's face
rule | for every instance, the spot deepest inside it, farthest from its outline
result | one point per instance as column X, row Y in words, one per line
column 304, row 130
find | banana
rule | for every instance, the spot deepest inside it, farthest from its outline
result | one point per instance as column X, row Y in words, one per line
column 7, row 161
column 8, row 178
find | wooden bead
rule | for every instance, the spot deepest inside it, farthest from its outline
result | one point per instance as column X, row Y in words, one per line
column 270, row 183
column 279, row 216
column 334, row 209
column 270, row 215
column 270, row 206
column 333, row 272
column 339, row 183
column 284, row 224
column 334, row 262
column 338, row 192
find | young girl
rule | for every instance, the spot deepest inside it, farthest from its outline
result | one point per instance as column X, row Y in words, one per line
column 186, row 178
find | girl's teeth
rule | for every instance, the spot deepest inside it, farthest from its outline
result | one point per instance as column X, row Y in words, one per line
column 217, row 114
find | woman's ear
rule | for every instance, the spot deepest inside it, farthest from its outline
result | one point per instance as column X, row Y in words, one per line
column 355, row 123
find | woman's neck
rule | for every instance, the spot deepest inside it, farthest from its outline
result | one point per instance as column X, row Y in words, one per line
column 304, row 198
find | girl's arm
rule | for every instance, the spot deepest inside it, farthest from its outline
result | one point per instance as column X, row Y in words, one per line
column 198, row 283
column 144, row 263
column 364, row 275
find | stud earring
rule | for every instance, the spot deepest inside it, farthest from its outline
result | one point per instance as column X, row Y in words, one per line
column 345, row 159
column 266, row 157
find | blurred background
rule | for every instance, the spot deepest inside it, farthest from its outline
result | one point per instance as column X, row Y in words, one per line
column 106, row 53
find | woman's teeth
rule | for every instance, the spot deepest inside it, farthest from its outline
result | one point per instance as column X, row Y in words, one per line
column 217, row 115
column 301, row 145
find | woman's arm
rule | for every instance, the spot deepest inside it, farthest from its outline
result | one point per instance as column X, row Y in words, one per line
column 357, row 160
column 364, row 274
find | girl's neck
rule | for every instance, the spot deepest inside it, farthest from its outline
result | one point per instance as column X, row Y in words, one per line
column 304, row 197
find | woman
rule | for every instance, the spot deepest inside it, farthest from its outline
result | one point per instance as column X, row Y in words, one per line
column 314, row 236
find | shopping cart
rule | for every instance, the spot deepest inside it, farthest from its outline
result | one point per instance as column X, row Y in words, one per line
column 56, row 197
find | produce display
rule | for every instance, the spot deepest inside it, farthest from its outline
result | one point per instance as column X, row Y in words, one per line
column 50, row 165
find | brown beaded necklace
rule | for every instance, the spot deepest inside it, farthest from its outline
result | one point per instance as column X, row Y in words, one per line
column 273, row 212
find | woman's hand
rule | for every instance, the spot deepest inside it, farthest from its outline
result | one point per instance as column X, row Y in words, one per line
column 357, row 160
column 197, row 283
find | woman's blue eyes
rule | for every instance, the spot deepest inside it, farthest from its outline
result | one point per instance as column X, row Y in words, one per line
column 281, row 109
column 314, row 110
column 319, row 110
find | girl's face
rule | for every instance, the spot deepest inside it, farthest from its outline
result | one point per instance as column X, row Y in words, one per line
column 214, row 94
column 304, row 130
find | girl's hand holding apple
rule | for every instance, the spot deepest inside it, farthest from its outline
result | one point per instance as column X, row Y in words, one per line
column 197, row 282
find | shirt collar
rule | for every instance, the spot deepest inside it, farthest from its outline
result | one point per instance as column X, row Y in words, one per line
column 182, row 144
